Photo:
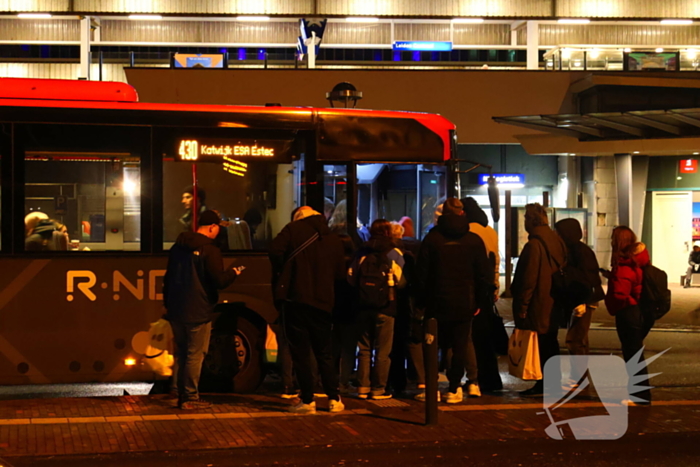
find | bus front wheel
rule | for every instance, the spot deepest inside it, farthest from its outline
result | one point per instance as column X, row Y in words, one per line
column 234, row 360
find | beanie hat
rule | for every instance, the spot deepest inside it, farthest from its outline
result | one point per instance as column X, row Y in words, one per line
column 209, row 218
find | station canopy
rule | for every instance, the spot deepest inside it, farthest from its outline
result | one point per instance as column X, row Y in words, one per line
column 649, row 132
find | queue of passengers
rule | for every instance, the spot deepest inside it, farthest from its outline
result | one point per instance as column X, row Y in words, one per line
column 334, row 300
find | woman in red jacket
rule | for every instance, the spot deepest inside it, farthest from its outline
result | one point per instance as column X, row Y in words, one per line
column 622, row 298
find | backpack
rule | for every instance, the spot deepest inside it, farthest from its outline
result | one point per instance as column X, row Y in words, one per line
column 655, row 300
column 570, row 285
column 373, row 281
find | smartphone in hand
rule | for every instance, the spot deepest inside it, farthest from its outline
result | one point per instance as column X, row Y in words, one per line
column 239, row 269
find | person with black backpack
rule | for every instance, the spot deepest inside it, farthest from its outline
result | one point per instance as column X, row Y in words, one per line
column 580, row 303
column 190, row 292
column 376, row 273
column 625, row 297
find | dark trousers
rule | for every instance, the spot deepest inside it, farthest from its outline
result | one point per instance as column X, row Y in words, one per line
column 375, row 342
column 486, row 357
column 548, row 345
column 457, row 336
column 632, row 328
column 309, row 335
column 191, row 344
column 345, row 336
column 577, row 338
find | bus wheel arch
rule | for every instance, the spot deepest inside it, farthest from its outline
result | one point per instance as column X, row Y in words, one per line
column 234, row 361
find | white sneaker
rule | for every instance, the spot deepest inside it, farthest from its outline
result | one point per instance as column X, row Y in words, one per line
column 421, row 396
column 302, row 408
column 455, row 397
column 473, row 390
column 336, row 406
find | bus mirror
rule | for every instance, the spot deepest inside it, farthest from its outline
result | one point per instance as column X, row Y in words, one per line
column 494, row 199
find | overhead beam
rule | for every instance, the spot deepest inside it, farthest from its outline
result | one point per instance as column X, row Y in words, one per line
column 674, row 130
column 631, row 130
column 684, row 118
column 539, row 127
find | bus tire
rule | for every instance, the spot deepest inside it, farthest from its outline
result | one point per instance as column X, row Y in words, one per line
column 234, row 360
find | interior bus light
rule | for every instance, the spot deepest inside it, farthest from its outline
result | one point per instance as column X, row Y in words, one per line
column 659, row 50
column 146, row 17
column 467, row 20
column 677, row 22
column 34, row 15
column 573, row 21
column 131, row 361
column 252, row 18
column 361, row 19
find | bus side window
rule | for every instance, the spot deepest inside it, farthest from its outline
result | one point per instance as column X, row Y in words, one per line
column 82, row 188
column 254, row 205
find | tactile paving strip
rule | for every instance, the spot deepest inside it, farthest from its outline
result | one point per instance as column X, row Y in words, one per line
column 389, row 403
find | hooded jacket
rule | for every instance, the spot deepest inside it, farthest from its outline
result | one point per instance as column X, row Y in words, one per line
column 194, row 276
column 625, row 281
column 532, row 284
column 453, row 272
column 316, row 268
column 581, row 256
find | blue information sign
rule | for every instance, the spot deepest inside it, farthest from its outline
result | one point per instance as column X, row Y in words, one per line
column 503, row 180
column 429, row 46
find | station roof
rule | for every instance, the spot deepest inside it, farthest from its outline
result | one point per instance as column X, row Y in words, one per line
column 648, row 132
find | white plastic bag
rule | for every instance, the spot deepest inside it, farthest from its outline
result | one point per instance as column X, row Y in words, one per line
column 159, row 352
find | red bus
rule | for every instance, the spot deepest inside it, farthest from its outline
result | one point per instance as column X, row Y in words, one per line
column 111, row 173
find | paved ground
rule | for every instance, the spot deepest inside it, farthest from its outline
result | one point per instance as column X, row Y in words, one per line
column 130, row 424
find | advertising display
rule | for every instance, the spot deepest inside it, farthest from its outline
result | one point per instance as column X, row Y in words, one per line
column 198, row 61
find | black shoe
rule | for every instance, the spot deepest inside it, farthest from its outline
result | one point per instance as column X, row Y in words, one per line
column 536, row 390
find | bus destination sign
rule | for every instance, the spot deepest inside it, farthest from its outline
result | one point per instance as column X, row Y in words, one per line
column 210, row 150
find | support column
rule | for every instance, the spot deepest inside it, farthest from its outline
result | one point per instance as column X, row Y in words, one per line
column 533, row 45
column 85, row 27
column 623, row 178
column 640, row 174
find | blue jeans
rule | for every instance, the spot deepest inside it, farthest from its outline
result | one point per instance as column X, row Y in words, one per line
column 376, row 338
column 191, row 344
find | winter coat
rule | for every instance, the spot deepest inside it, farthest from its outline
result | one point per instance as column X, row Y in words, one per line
column 453, row 274
column 194, row 276
column 694, row 258
column 581, row 256
column 381, row 245
column 625, row 281
column 532, row 284
column 490, row 238
column 316, row 268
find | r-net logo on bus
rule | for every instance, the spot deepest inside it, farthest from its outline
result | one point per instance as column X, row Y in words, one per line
column 86, row 282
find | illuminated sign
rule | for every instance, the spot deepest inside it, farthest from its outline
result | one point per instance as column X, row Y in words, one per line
column 504, row 180
column 193, row 150
column 198, row 61
column 689, row 166
column 428, row 46
column 235, row 167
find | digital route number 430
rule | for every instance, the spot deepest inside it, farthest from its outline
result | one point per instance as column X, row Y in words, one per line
column 189, row 150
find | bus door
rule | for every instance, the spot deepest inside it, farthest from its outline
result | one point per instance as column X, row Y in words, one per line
column 395, row 191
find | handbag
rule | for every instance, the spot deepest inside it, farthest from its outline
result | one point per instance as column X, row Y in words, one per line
column 280, row 291
column 499, row 335
column 524, row 355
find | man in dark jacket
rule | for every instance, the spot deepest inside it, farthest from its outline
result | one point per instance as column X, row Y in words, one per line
column 693, row 263
column 533, row 304
column 190, row 292
column 453, row 282
column 581, row 257
column 318, row 262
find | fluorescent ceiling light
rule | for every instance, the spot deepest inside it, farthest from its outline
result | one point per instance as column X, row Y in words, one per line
column 252, row 18
column 677, row 22
column 361, row 19
column 573, row 21
column 146, row 17
column 34, row 15
column 659, row 50
column 467, row 20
